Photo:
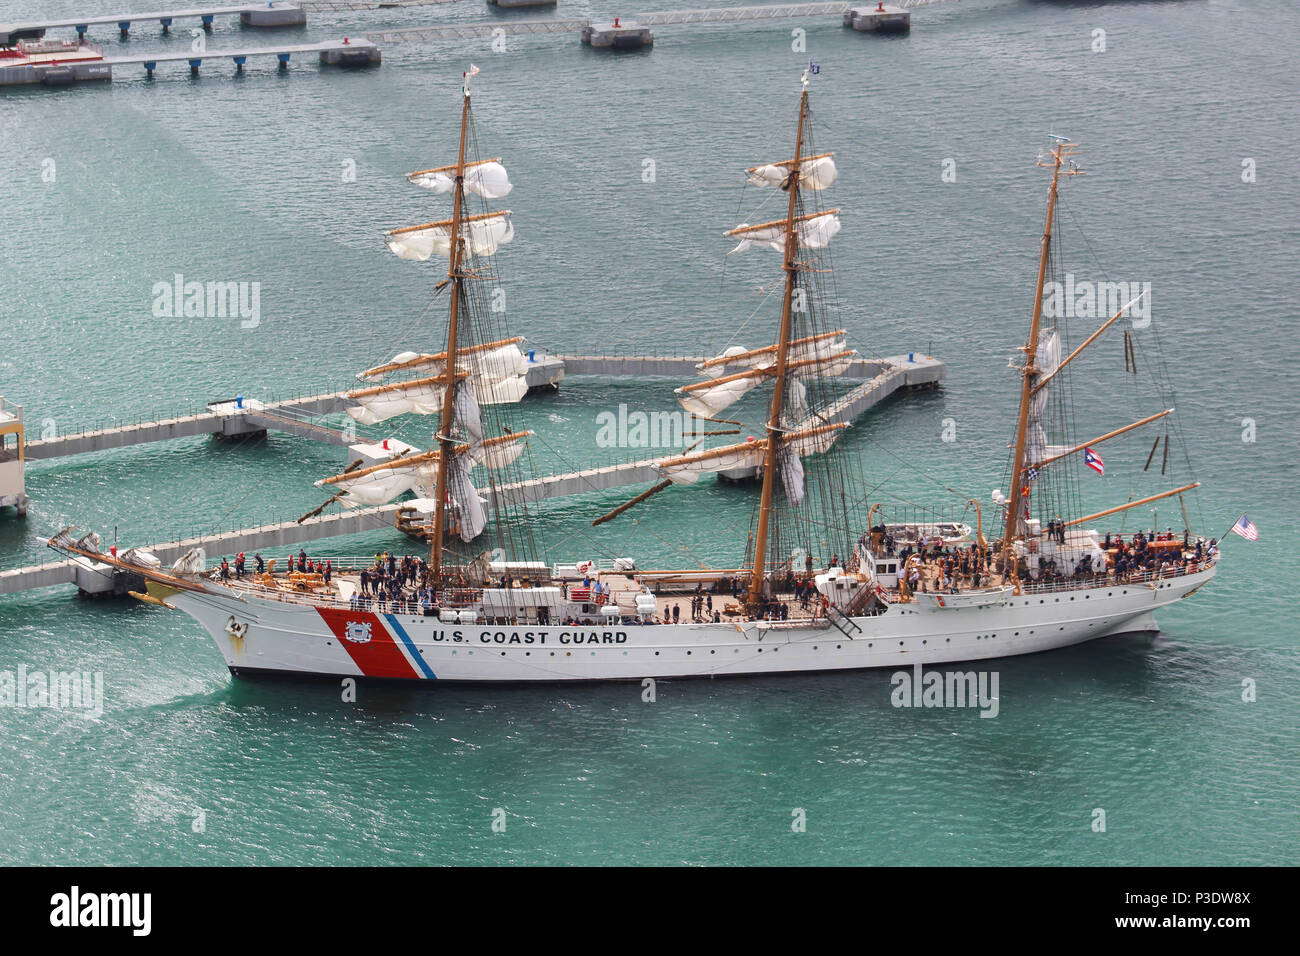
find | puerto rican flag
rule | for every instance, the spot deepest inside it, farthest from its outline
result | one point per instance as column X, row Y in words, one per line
column 1093, row 461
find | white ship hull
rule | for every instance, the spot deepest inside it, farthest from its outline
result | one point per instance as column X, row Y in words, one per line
column 259, row 635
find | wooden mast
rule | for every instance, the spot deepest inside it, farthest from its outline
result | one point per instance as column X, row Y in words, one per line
column 1030, row 370
column 449, row 373
column 759, row 573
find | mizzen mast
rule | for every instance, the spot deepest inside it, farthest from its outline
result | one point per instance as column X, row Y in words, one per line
column 759, row 573
column 1061, row 152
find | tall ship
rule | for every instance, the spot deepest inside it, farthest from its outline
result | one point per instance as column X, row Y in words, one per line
column 817, row 584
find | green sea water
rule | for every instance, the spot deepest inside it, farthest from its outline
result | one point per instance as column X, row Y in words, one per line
column 247, row 179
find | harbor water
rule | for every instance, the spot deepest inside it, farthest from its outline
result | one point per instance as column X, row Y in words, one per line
column 626, row 171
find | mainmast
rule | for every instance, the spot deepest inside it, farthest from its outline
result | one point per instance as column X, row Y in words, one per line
column 445, row 444
column 1030, row 371
column 774, row 430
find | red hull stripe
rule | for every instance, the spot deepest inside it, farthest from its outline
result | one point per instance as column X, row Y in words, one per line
column 363, row 635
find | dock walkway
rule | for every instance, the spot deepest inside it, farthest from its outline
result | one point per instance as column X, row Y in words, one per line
column 882, row 377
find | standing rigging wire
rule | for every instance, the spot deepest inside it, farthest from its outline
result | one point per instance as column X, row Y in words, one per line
column 1160, row 379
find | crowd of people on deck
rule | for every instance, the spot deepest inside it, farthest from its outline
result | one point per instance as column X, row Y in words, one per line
column 948, row 568
column 391, row 584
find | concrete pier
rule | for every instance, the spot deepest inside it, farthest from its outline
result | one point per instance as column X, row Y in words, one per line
column 224, row 419
column 291, row 533
column 347, row 52
column 634, row 32
column 617, row 35
column 882, row 18
column 265, row 14
column 238, row 417
column 883, row 378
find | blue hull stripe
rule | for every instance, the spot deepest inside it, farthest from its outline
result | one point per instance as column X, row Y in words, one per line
column 410, row 646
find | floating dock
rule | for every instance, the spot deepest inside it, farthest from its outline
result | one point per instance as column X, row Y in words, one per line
column 62, row 63
column 883, row 377
column 266, row 14
column 634, row 33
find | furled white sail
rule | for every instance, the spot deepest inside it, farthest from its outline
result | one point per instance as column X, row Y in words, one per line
column 791, row 468
column 472, row 517
column 499, row 377
column 488, row 180
column 500, row 455
column 814, row 441
column 707, row 399
column 381, row 487
column 814, row 174
column 467, row 411
column 737, row 358
column 1047, row 358
column 815, row 232
column 191, row 562
column 400, row 359
column 708, row 402
column 482, row 236
column 687, row 469
column 419, row 399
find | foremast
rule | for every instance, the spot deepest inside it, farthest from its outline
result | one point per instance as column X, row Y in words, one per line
column 774, row 427
column 456, row 277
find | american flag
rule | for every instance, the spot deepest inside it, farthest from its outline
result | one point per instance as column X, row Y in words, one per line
column 1246, row 528
column 1093, row 461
